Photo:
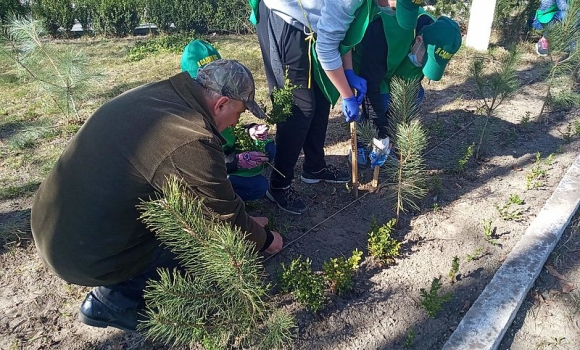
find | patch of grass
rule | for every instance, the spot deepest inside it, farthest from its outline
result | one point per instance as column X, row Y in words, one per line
column 11, row 192
column 31, row 136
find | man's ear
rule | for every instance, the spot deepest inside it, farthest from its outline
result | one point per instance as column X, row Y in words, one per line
column 220, row 105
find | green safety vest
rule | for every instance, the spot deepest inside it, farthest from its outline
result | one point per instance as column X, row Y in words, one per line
column 546, row 16
column 352, row 37
column 399, row 41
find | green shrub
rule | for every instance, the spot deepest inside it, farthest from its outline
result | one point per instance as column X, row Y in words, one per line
column 380, row 243
column 159, row 44
column 339, row 272
column 307, row 287
column 116, row 17
column 9, row 7
column 55, row 14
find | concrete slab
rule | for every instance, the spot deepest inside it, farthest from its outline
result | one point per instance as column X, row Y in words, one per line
column 486, row 322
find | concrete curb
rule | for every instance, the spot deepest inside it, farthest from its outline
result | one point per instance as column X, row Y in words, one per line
column 486, row 322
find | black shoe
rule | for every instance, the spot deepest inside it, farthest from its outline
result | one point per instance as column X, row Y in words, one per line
column 95, row 313
column 287, row 199
column 328, row 174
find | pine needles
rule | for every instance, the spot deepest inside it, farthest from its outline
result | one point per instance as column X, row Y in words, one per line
column 410, row 138
column 221, row 299
column 65, row 77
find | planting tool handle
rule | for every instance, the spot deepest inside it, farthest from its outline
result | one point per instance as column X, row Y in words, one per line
column 375, row 182
column 353, row 161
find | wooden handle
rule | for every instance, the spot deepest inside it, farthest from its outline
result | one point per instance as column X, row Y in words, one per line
column 353, row 162
column 375, row 182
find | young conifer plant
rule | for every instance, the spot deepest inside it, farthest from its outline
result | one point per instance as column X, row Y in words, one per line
column 408, row 177
column 220, row 298
column 64, row 76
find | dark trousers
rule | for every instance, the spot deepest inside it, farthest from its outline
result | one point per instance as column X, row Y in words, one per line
column 285, row 50
column 128, row 294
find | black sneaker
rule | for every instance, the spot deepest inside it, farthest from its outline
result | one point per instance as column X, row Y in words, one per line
column 287, row 199
column 329, row 174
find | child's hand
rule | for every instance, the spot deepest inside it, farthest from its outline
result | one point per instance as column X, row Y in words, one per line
column 259, row 132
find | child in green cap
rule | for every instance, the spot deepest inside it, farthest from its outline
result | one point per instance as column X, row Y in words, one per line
column 389, row 50
column 244, row 168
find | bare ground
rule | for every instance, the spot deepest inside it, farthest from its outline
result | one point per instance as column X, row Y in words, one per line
column 384, row 310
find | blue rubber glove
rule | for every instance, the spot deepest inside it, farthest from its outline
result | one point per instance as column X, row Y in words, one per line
column 357, row 83
column 350, row 109
column 377, row 159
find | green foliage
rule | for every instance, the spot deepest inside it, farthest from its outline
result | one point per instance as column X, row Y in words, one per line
column 9, row 8
column 158, row 44
column 535, row 177
column 282, row 101
column 488, row 231
column 245, row 143
column 464, row 159
column 55, row 14
column 339, row 272
column 307, row 287
column 10, row 192
column 117, row 17
column 454, row 269
column 572, row 130
column 515, row 199
column 225, row 16
column 456, row 9
column 221, row 299
column 477, row 253
column 65, row 77
column 511, row 19
column 564, row 61
column 410, row 338
column 494, row 82
column 507, row 212
column 410, row 139
column 29, row 137
column 432, row 301
column 380, row 244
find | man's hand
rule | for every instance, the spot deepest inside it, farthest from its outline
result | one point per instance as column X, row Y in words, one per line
column 357, row 83
column 276, row 244
column 251, row 159
column 350, row 109
column 259, row 132
column 260, row 220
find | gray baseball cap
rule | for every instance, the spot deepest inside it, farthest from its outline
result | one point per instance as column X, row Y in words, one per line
column 232, row 79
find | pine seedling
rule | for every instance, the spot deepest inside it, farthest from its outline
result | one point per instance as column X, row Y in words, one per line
column 488, row 231
column 564, row 60
column 220, row 300
column 515, row 199
column 454, row 269
column 381, row 245
column 305, row 286
column 64, row 76
column 507, row 212
column 339, row 272
column 493, row 84
column 432, row 301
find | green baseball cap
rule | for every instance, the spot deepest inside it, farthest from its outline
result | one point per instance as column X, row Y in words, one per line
column 407, row 12
column 232, row 79
column 197, row 54
column 442, row 39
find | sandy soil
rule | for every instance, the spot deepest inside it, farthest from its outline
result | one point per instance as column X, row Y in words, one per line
column 384, row 310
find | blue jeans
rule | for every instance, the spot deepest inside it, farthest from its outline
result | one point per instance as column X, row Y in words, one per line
column 250, row 188
column 558, row 17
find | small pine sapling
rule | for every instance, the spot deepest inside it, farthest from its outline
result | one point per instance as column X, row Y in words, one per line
column 380, row 243
column 339, row 272
column 221, row 299
column 475, row 255
column 454, row 269
column 488, row 231
column 409, row 338
column 305, row 286
column 432, row 301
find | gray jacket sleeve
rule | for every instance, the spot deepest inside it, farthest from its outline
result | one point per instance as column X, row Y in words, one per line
column 335, row 19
